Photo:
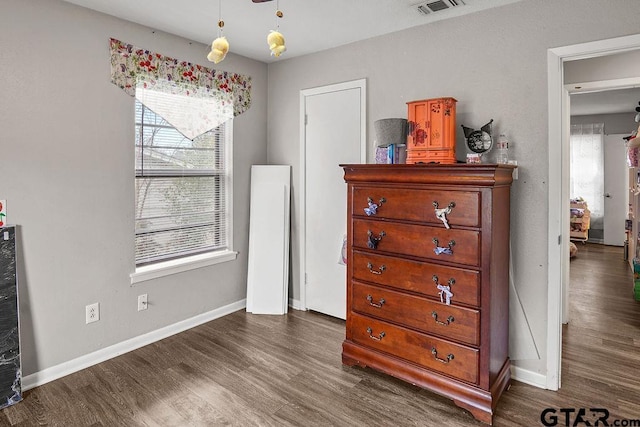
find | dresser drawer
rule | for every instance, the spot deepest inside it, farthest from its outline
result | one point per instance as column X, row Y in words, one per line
column 418, row 205
column 415, row 276
column 457, row 323
column 418, row 240
column 415, row 155
column 430, row 156
column 436, row 354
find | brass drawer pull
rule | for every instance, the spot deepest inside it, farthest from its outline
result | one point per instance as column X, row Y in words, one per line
column 372, row 241
column 378, row 338
column 373, row 304
column 372, row 209
column 444, row 291
column 435, row 355
column 450, row 319
column 380, row 269
column 442, row 213
column 442, row 250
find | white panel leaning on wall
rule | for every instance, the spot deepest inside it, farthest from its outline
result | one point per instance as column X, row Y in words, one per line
column 268, row 269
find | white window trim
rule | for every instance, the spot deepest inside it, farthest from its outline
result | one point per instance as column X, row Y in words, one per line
column 179, row 265
column 166, row 268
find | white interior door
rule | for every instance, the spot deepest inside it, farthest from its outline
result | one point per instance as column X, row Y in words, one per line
column 333, row 135
column 616, row 193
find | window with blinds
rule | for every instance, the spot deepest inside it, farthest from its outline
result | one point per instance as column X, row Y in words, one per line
column 181, row 190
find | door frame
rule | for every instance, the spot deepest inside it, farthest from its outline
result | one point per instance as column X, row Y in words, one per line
column 353, row 84
column 558, row 188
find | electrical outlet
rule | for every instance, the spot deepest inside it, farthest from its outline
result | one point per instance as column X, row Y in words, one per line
column 142, row 302
column 92, row 312
column 515, row 171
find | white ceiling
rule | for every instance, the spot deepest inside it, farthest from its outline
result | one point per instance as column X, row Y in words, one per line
column 605, row 102
column 308, row 25
column 311, row 26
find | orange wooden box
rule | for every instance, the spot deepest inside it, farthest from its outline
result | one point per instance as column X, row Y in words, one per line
column 432, row 133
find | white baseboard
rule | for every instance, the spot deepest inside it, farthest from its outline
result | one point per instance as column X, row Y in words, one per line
column 47, row 375
column 528, row 377
column 55, row 372
column 295, row 304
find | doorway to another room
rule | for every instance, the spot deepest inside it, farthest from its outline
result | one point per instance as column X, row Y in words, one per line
column 601, row 121
column 559, row 218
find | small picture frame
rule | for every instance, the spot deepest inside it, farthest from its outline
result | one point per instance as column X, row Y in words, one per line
column 474, row 158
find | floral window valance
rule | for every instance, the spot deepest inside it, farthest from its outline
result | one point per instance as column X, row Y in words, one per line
column 193, row 98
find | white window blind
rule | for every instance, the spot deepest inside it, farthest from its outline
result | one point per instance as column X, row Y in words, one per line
column 181, row 190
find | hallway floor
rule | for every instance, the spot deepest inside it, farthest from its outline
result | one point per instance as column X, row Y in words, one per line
column 601, row 343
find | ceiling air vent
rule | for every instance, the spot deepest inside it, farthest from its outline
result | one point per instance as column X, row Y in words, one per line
column 437, row 6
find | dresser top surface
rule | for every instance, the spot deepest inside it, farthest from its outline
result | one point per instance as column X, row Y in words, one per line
column 451, row 174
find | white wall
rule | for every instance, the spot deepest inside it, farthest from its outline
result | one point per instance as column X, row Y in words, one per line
column 495, row 63
column 618, row 66
column 67, row 172
column 613, row 123
column 604, row 68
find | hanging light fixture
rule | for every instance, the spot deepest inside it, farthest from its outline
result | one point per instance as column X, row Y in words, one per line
column 275, row 39
column 220, row 46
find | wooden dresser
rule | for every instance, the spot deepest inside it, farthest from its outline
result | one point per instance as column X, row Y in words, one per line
column 428, row 277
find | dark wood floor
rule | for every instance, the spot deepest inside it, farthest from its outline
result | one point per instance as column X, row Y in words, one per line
column 249, row 370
